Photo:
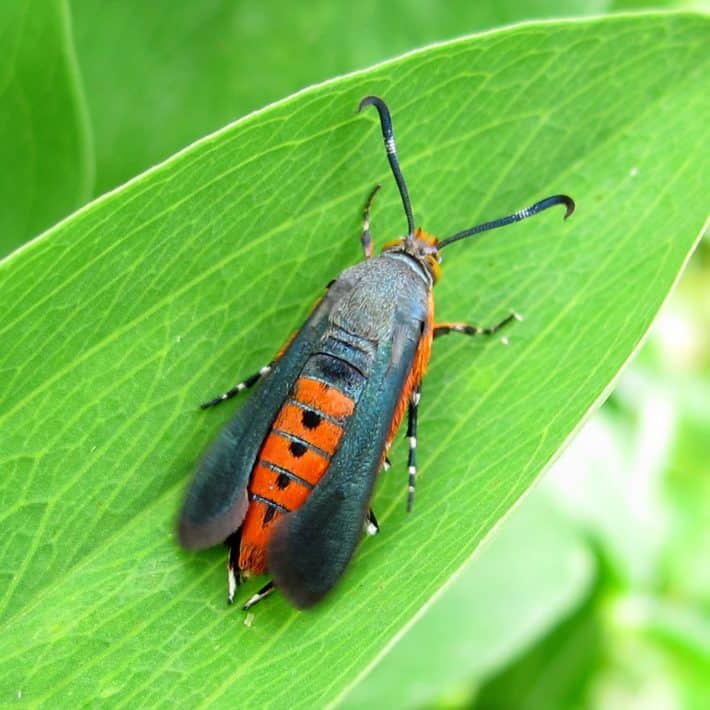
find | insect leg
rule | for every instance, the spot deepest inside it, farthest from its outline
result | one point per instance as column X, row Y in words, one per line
column 468, row 329
column 412, row 436
column 246, row 384
column 233, row 574
column 366, row 238
column 372, row 527
column 263, row 592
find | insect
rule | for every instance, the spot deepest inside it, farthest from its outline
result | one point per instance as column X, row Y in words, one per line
column 287, row 485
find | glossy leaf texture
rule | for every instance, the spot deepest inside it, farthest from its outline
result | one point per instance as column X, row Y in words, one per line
column 46, row 151
column 119, row 321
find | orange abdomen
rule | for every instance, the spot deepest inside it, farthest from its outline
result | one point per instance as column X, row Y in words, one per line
column 293, row 458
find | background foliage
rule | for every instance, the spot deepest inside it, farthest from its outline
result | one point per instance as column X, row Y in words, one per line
column 45, row 143
column 103, row 316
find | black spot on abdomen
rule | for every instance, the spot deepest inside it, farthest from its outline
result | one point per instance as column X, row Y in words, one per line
column 297, row 449
column 310, row 419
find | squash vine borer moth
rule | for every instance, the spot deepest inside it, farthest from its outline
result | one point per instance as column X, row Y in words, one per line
column 287, row 485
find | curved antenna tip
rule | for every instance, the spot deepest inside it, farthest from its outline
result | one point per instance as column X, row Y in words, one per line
column 569, row 204
column 370, row 101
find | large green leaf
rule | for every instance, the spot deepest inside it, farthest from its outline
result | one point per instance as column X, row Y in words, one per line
column 45, row 150
column 117, row 322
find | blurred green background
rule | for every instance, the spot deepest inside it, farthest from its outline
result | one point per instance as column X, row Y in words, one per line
column 595, row 591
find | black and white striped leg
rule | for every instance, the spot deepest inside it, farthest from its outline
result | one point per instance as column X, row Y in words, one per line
column 468, row 329
column 261, row 594
column 372, row 527
column 245, row 385
column 233, row 576
column 412, row 436
column 366, row 238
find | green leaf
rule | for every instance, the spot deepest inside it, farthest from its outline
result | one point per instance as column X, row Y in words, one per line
column 561, row 671
column 120, row 320
column 188, row 68
column 45, row 148
column 486, row 616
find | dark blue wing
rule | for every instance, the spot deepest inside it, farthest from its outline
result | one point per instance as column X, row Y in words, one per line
column 217, row 501
column 312, row 546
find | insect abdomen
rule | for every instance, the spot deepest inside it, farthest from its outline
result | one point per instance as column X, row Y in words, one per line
column 305, row 435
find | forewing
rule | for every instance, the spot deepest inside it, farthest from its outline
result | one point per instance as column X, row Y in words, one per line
column 217, row 498
column 312, row 546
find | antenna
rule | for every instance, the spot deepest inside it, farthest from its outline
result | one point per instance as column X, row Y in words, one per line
column 540, row 206
column 388, row 135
